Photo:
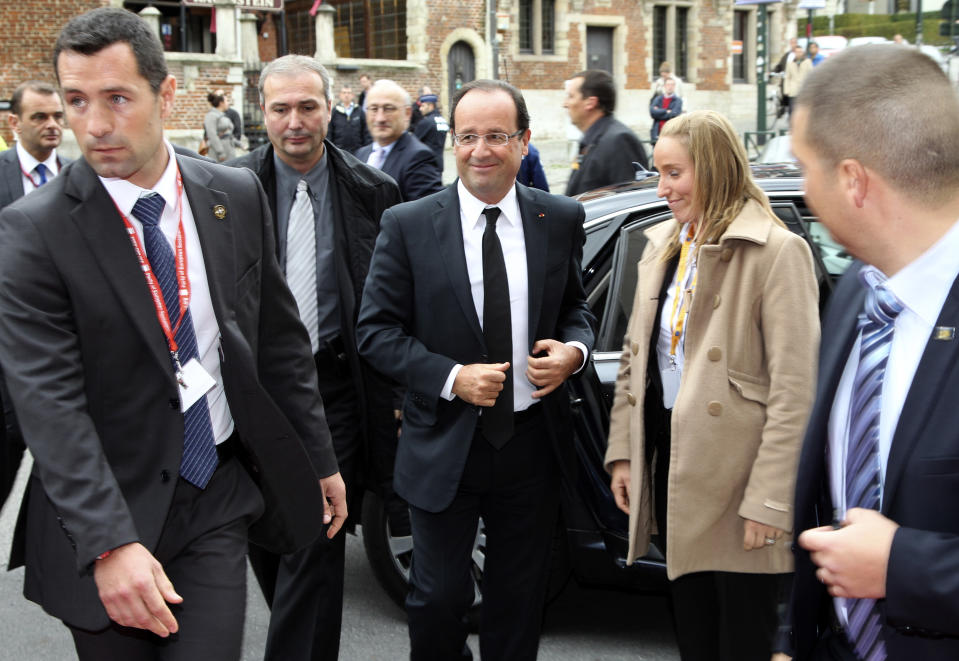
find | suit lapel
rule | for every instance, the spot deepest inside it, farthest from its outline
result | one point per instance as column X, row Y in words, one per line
column 10, row 177
column 937, row 363
column 215, row 232
column 98, row 220
column 536, row 236
column 449, row 234
column 393, row 158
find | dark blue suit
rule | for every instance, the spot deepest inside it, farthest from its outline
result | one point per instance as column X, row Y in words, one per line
column 921, row 610
column 417, row 320
column 413, row 166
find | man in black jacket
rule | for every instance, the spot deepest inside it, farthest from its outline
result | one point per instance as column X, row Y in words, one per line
column 327, row 207
column 348, row 123
column 608, row 148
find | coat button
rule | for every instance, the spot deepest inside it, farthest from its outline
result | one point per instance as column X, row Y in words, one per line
column 635, row 348
column 727, row 254
column 716, row 299
column 174, row 403
column 164, row 476
column 714, row 353
column 714, row 408
column 631, row 398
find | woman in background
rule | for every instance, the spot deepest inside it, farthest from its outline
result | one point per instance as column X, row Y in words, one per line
column 218, row 129
column 715, row 384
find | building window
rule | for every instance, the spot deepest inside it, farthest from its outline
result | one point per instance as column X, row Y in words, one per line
column 671, row 39
column 182, row 29
column 741, row 37
column 537, row 26
column 370, row 28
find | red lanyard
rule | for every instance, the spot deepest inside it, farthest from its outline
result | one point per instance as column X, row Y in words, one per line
column 30, row 176
column 183, row 279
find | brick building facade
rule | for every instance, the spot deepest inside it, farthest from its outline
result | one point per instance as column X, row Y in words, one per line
column 440, row 43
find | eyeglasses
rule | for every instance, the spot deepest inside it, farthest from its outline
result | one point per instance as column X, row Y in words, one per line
column 491, row 139
column 387, row 109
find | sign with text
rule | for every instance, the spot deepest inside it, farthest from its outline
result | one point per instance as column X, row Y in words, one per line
column 262, row 5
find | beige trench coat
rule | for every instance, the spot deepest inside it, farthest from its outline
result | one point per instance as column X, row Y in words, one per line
column 752, row 337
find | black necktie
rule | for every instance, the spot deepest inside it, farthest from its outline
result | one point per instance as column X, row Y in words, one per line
column 498, row 331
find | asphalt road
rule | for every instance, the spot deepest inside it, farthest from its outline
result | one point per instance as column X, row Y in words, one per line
column 581, row 625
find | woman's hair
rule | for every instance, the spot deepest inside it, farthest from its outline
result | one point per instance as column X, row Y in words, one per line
column 665, row 67
column 723, row 180
column 214, row 99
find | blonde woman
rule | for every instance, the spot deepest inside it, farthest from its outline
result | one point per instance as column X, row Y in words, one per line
column 715, row 384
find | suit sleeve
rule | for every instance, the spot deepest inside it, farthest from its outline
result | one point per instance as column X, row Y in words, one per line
column 789, row 319
column 422, row 176
column 385, row 325
column 284, row 357
column 40, row 352
column 575, row 323
column 922, row 582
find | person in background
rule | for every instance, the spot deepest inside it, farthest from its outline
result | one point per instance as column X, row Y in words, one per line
column 433, row 128
column 814, row 55
column 36, row 120
column 666, row 73
column 218, row 129
column 395, row 150
column 663, row 108
column 608, row 148
column 716, row 380
column 531, row 170
column 239, row 140
column 365, row 83
column 796, row 72
column 877, row 492
column 347, row 123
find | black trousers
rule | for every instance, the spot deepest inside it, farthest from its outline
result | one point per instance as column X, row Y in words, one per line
column 515, row 491
column 305, row 589
column 834, row 646
column 203, row 552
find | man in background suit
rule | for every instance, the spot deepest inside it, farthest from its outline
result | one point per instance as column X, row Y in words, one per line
column 146, row 333
column 608, row 147
column 36, row 119
column 346, row 200
column 465, row 287
column 395, row 150
column 879, row 461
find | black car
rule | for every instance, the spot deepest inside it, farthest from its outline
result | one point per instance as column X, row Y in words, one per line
column 591, row 541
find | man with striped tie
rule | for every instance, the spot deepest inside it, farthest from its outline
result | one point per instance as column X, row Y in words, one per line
column 162, row 377
column 877, row 493
column 36, row 119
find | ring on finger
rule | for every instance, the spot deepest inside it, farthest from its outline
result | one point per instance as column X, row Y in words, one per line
column 770, row 541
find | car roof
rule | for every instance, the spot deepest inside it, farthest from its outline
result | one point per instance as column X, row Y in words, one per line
column 625, row 196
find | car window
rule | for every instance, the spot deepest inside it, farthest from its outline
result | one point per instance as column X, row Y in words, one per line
column 629, row 249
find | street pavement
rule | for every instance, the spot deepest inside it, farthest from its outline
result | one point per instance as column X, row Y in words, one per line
column 580, row 625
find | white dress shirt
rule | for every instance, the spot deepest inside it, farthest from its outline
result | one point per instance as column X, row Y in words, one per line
column 375, row 159
column 125, row 195
column 31, row 180
column 509, row 230
column 668, row 320
column 922, row 287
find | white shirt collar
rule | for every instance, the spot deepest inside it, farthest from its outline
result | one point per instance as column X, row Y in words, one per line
column 924, row 283
column 125, row 194
column 472, row 207
column 28, row 162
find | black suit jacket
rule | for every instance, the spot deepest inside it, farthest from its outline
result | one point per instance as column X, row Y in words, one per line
column 413, row 166
column 921, row 610
column 11, row 184
column 91, row 377
column 418, row 320
column 608, row 159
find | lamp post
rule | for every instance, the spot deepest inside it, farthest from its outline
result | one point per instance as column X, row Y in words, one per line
column 762, row 58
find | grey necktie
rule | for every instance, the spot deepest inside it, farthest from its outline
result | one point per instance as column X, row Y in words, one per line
column 378, row 158
column 301, row 261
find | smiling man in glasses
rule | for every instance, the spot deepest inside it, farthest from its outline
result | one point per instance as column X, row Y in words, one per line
column 395, row 150
column 465, row 287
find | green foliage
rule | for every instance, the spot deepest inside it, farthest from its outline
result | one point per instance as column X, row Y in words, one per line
column 880, row 25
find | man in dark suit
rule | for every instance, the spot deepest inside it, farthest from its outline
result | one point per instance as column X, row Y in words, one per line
column 346, row 200
column 36, row 119
column 455, row 306
column 146, row 333
column 608, row 147
column 877, row 494
column 395, row 150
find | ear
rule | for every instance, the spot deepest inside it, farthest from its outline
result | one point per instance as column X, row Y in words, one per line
column 14, row 123
column 166, row 95
column 854, row 181
column 525, row 138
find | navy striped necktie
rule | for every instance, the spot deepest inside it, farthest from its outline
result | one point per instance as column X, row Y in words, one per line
column 863, row 484
column 199, row 458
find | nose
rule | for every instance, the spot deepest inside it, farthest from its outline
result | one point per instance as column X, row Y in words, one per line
column 480, row 149
column 295, row 120
column 661, row 187
column 99, row 122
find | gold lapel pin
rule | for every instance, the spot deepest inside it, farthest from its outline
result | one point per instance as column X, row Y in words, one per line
column 944, row 333
column 542, row 215
column 219, row 211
